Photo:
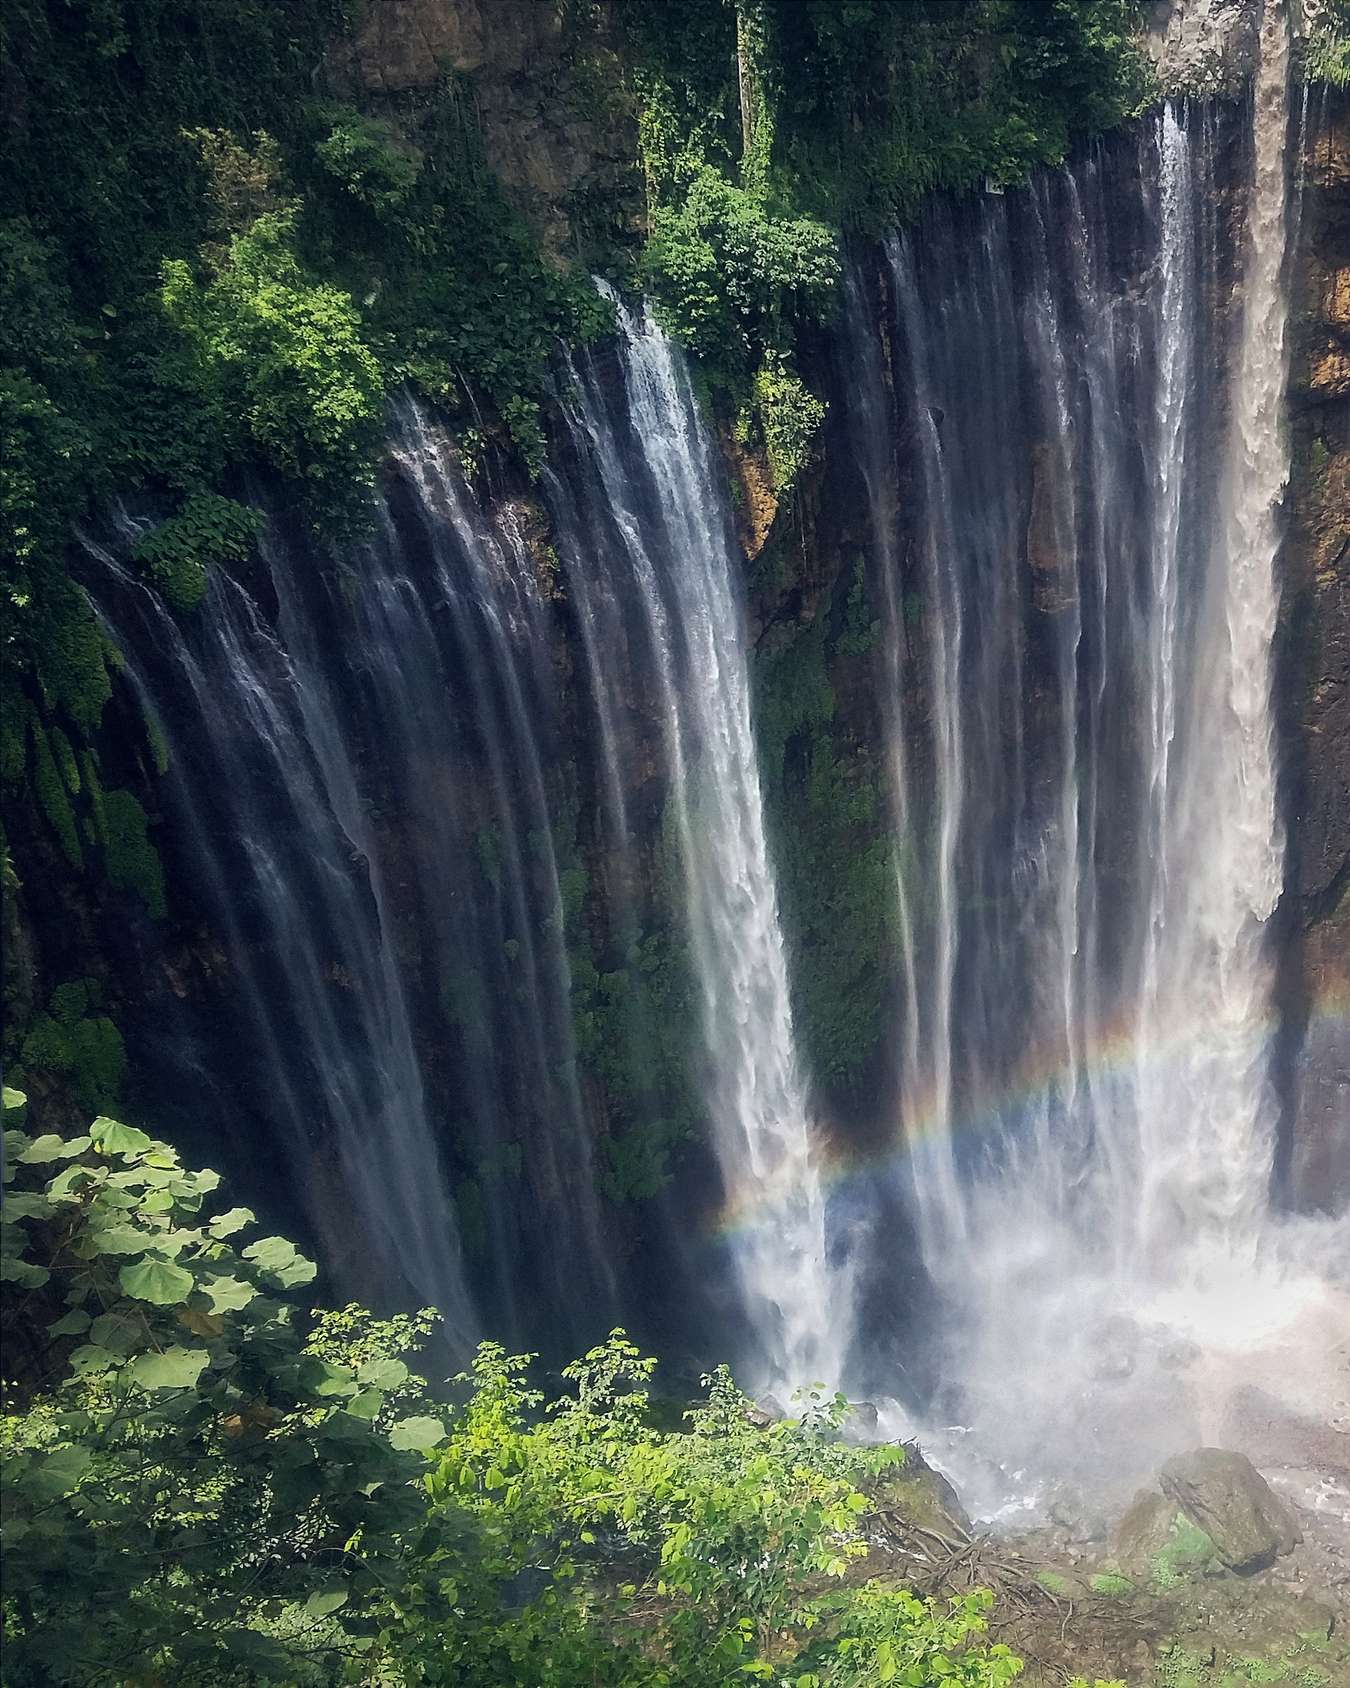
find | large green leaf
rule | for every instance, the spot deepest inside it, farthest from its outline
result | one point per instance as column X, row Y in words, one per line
column 417, row 1433
column 14, row 1100
column 175, row 1368
column 300, row 1271
column 42, row 1149
column 92, row 1357
column 120, row 1331
column 322, row 1602
column 382, row 1374
column 228, row 1295
column 57, row 1474
column 122, row 1239
column 114, row 1138
column 271, row 1253
column 74, row 1323
column 23, row 1206
column 326, row 1379
column 159, row 1281
column 226, row 1224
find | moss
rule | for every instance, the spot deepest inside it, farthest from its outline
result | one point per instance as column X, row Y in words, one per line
column 13, row 731
column 833, row 848
column 96, row 826
column 1110, row 1585
column 1186, row 1551
column 72, row 1042
column 131, row 860
column 788, row 418
column 157, row 743
column 52, row 796
column 208, row 532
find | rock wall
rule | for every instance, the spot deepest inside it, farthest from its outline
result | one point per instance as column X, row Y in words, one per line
column 1202, row 46
column 549, row 92
column 1316, row 672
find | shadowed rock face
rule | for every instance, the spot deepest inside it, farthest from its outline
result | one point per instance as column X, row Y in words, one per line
column 1202, row 46
column 1315, row 672
column 1224, row 1495
column 557, row 128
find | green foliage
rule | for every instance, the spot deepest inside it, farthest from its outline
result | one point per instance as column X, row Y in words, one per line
column 1110, row 1585
column 189, row 232
column 285, row 352
column 206, row 532
column 788, row 417
column 53, row 793
column 199, row 1482
column 764, row 125
column 1326, row 53
column 364, row 158
column 634, row 1022
column 1186, row 1551
column 74, row 1041
column 875, row 105
column 832, row 841
column 197, row 1492
column 131, row 860
column 726, row 272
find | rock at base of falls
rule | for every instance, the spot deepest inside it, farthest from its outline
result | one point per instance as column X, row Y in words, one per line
column 923, row 1496
column 1143, row 1535
column 1224, row 1495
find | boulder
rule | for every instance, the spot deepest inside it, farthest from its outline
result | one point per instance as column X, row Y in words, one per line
column 1142, row 1534
column 861, row 1421
column 923, row 1495
column 1224, row 1495
column 766, row 1411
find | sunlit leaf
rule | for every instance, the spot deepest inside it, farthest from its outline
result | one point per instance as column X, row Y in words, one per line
column 175, row 1368
column 157, row 1281
column 417, row 1434
column 111, row 1137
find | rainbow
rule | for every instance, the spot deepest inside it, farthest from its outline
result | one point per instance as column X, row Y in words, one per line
column 1112, row 1059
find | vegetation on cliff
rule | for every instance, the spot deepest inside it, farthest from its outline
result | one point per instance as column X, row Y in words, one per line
column 204, row 1480
column 212, row 264
column 770, row 128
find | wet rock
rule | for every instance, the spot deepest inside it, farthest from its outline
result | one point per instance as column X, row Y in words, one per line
column 1224, row 1495
column 767, row 1410
column 1080, row 1518
column 861, row 1421
column 1142, row 1533
column 924, row 1495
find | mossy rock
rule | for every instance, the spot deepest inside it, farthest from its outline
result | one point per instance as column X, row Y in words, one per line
column 923, row 1496
column 1185, row 1552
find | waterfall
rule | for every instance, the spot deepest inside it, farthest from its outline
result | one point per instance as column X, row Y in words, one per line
column 663, row 492
column 1081, row 599
column 363, row 781
column 260, row 804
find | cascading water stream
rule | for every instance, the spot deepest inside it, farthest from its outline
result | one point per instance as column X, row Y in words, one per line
column 1090, row 847
column 260, row 806
column 360, row 794
column 664, row 496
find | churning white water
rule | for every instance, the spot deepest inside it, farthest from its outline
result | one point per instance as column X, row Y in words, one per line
column 1088, row 806
column 668, row 505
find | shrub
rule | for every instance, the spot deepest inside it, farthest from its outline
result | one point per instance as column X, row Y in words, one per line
column 208, row 531
column 203, row 1494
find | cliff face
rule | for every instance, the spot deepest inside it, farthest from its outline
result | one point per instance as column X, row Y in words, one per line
column 1317, row 671
column 547, row 89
